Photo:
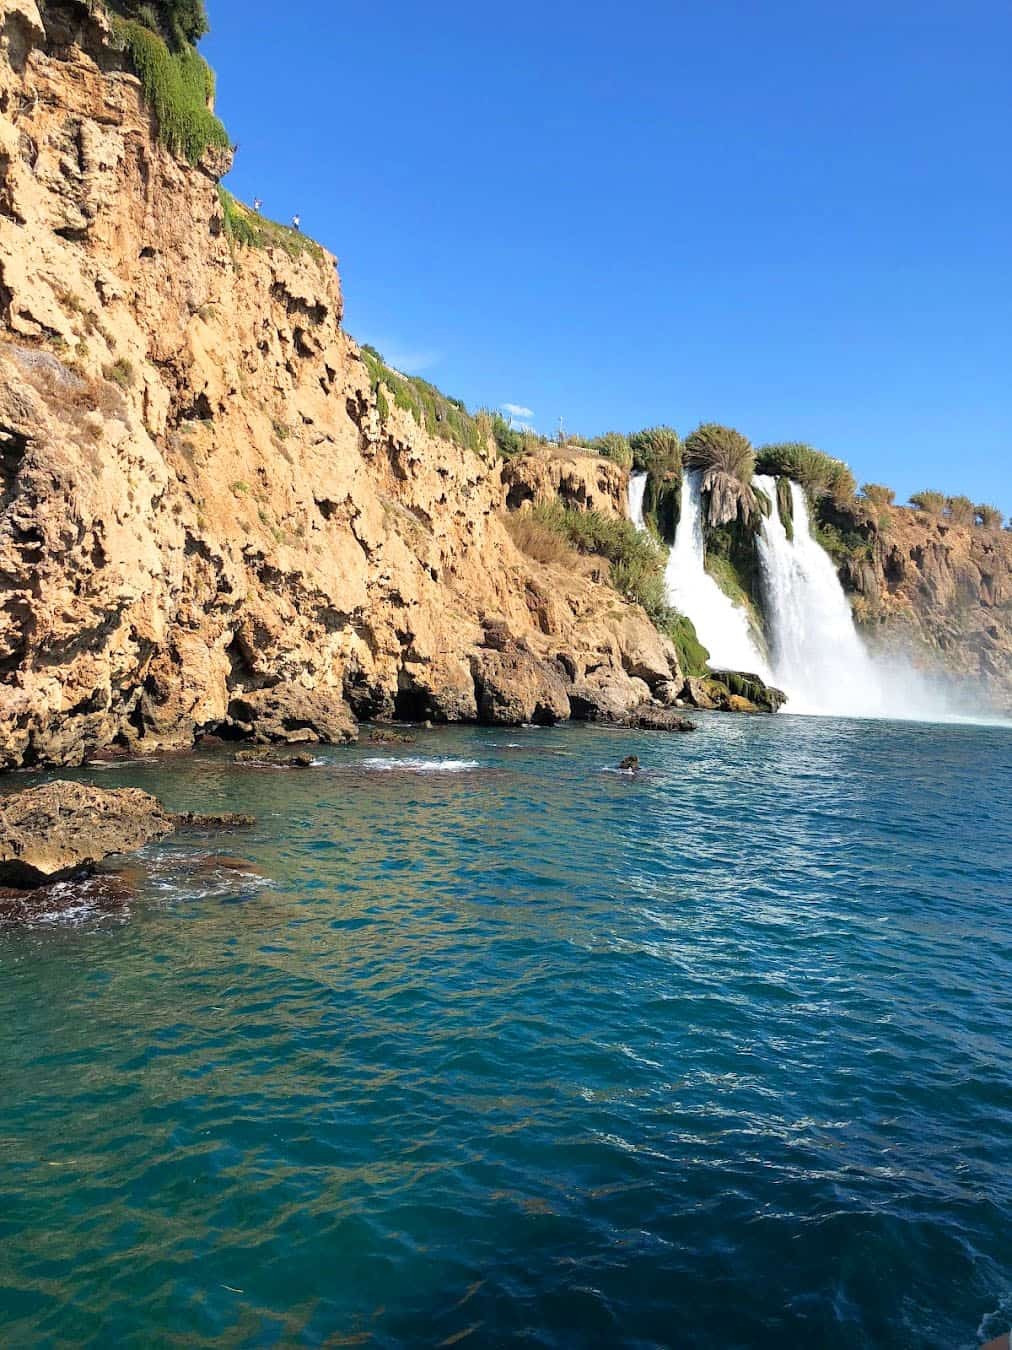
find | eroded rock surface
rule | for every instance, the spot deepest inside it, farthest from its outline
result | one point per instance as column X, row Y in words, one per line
column 208, row 523
column 61, row 830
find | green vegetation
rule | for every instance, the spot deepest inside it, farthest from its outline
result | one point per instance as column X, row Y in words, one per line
column 614, row 446
column 656, row 450
column 819, row 474
column 727, row 461
column 121, row 372
column 508, row 442
column 432, row 410
column 637, row 564
column 732, row 559
column 662, row 504
column 841, row 544
column 246, row 228
column 183, row 20
column 878, row 495
column 692, row 655
column 785, row 505
column 989, row 517
column 178, row 85
column 960, row 511
column 931, row 503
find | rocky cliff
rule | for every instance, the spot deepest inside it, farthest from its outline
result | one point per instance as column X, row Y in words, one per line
column 212, row 519
column 943, row 593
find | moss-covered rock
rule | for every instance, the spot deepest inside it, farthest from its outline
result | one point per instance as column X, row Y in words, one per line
column 662, row 503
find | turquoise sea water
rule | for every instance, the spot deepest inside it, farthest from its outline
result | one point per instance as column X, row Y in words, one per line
column 484, row 1045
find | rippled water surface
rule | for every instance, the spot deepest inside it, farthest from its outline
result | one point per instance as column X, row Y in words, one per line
column 492, row 1046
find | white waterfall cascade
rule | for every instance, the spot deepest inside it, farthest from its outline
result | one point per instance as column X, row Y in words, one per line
column 818, row 657
column 634, row 504
column 721, row 626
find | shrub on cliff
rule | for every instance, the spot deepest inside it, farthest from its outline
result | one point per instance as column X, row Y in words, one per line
column 656, row 450
column 636, row 560
column 878, row 494
column 430, row 408
column 614, row 446
column 544, row 542
column 931, row 503
column 183, row 20
column 727, row 461
column 819, row 474
column 508, row 441
column 178, row 86
column 877, row 500
column 989, row 517
column 960, row 511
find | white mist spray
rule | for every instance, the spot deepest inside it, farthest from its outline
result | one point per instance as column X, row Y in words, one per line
column 818, row 657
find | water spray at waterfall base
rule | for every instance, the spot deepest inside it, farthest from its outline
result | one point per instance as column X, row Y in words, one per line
column 818, row 657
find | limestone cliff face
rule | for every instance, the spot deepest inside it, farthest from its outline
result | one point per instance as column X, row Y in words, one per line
column 944, row 593
column 580, row 481
column 204, row 523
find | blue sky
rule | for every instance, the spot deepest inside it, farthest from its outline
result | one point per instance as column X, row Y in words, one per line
column 795, row 218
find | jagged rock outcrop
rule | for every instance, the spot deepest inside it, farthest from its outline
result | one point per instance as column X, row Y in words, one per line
column 61, row 830
column 582, row 481
column 207, row 520
column 942, row 592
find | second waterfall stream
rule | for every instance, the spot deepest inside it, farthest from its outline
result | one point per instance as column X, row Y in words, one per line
column 721, row 626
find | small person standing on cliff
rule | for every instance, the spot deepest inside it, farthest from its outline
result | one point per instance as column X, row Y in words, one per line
column 296, row 222
column 257, row 203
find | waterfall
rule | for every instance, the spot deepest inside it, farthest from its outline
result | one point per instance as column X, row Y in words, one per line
column 818, row 657
column 722, row 627
column 634, row 504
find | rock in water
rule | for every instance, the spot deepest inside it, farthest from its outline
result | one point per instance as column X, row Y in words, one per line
column 61, row 830
column 264, row 759
column 658, row 719
column 227, row 820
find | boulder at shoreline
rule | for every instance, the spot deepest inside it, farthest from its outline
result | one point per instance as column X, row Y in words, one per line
column 62, row 830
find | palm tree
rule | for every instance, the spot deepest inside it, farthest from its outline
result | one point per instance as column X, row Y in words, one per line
column 727, row 461
column 960, row 511
column 930, row 502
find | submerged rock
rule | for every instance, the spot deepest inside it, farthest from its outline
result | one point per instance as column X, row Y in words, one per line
column 98, row 894
column 263, row 759
column 226, row 820
column 62, row 830
column 379, row 737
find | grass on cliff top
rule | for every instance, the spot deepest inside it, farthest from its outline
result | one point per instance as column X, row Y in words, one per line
column 178, row 86
column 636, row 560
column 246, row 228
column 436, row 413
